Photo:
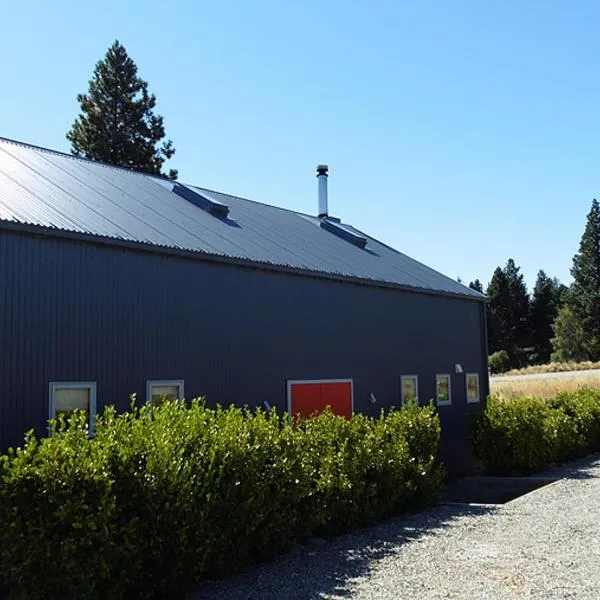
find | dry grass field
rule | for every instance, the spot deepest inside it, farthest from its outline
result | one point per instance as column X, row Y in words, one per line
column 508, row 388
column 556, row 367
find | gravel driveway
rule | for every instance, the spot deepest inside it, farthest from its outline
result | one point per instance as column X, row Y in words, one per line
column 542, row 545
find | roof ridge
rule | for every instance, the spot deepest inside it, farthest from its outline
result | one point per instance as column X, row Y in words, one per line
column 80, row 158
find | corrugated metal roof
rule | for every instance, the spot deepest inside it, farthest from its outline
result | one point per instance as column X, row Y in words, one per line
column 49, row 189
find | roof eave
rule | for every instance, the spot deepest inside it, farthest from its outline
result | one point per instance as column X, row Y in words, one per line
column 41, row 230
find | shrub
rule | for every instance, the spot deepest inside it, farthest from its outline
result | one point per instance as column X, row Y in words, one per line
column 499, row 362
column 366, row 469
column 529, row 434
column 159, row 498
column 58, row 511
column 583, row 409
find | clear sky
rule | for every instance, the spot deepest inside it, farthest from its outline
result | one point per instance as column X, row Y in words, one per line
column 462, row 133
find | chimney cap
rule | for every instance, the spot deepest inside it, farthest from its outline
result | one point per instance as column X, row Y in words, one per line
column 322, row 169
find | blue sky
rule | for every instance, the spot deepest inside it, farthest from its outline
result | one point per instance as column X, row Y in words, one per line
column 462, row 133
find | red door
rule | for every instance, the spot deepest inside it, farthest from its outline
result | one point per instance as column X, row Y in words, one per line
column 310, row 397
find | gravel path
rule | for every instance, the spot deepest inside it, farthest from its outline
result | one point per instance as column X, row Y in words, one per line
column 542, row 545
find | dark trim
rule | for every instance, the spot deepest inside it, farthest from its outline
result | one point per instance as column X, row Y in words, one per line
column 484, row 350
column 40, row 230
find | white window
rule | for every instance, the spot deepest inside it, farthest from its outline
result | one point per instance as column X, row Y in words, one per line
column 409, row 389
column 472, row 380
column 68, row 396
column 168, row 389
column 443, row 393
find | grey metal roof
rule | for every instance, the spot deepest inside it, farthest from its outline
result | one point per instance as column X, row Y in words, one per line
column 44, row 188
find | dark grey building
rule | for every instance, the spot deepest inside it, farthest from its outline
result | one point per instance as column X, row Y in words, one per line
column 116, row 282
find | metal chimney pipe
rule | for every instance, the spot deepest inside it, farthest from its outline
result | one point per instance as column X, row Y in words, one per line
column 322, row 179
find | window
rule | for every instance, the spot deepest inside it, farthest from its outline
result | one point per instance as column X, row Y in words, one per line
column 66, row 397
column 409, row 389
column 158, row 391
column 472, row 387
column 442, row 390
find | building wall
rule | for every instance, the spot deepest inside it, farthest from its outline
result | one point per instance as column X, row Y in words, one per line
column 77, row 311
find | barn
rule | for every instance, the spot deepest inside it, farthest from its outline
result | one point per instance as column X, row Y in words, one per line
column 115, row 282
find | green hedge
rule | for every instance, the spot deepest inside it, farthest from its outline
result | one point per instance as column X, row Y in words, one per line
column 160, row 498
column 499, row 362
column 527, row 435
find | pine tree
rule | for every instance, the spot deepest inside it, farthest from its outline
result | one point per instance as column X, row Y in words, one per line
column 519, row 304
column 477, row 286
column 561, row 291
column 584, row 296
column 117, row 124
column 568, row 337
column 500, row 330
column 508, row 326
column 543, row 310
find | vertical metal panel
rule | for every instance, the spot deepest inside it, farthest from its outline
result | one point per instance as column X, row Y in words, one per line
column 75, row 311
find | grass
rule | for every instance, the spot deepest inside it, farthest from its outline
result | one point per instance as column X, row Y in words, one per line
column 555, row 367
column 542, row 388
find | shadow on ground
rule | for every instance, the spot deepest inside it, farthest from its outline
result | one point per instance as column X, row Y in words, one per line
column 324, row 568
column 580, row 468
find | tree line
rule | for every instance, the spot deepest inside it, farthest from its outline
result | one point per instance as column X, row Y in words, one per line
column 556, row 322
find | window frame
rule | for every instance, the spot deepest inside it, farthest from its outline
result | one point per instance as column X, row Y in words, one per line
column 438, row 377
column 402, row 379
column 180, row 383
column 75, row 385
column 476, row 375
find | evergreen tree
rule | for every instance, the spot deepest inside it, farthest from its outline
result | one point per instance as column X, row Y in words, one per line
column 584, row 297
column 561, row 291
column 519, row 304
column 117, row 124
column 568, row 337
column 477, row 286
column 500, row 330
column 508, row 325
column 542, row 314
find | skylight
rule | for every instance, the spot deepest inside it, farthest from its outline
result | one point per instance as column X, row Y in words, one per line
column 344, row 232
column 217, row 209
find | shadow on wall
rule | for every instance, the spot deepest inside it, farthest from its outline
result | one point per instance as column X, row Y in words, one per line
column 322, row 568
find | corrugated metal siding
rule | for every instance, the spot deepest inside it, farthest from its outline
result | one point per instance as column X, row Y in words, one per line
column 78, row 311
column 48, row 189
